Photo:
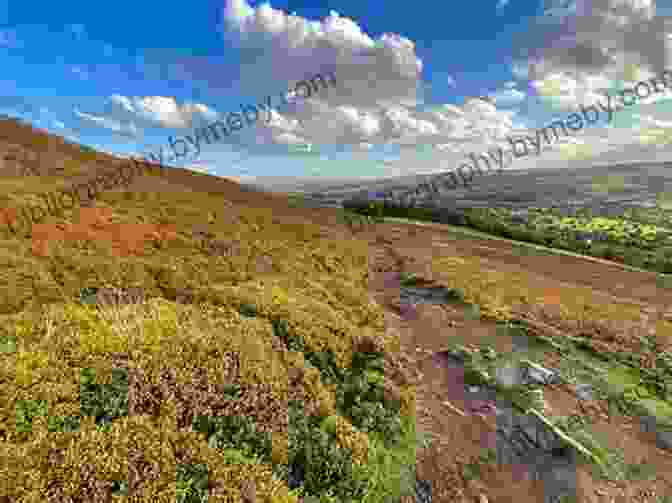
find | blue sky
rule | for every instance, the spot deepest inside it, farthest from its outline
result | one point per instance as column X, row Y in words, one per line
column 126, row 78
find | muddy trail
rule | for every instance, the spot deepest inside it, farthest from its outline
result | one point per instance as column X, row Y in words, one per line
column 608, row 278
column 480, row 447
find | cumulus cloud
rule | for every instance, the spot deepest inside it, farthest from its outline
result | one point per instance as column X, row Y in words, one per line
column 160, row 110
column 572, row 55
column 376, row 98
column 578, row 50
column 599, row 37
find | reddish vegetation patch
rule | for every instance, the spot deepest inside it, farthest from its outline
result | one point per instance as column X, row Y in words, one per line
column 94, row 224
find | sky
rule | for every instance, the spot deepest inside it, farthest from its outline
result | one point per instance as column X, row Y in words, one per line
column 419, row 86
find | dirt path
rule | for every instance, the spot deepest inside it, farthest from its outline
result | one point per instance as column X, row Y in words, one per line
column 600, row 275
column 460, row 434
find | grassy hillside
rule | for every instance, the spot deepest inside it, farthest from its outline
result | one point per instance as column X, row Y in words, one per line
column 252, row 367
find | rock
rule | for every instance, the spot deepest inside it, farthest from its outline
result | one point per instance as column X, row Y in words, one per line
column 584, row 391
column 536, row 374
column 508, row 376
column 520, row 343
column 650, row 424
column 664, row 439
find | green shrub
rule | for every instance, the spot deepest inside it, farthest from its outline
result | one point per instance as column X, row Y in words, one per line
column 104, row 400
column 26, row 410
column 192, row 483
column 323, row 467
column 408, row 279
column 248, row 310
column 455, row 295
column 358, row 397
column 235, row 432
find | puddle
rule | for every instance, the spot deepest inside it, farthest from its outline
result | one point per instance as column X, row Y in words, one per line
column 429, row 295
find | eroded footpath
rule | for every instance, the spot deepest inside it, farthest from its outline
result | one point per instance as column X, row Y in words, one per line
column 483, row 447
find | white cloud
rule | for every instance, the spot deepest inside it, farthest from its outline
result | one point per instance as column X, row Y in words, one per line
column 125, row 130
column 161, row 110
column 602, row 44
column 600, row 37
column 374, row 101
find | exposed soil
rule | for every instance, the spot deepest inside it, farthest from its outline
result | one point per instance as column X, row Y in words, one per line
column 461, row 436
column 607, row 278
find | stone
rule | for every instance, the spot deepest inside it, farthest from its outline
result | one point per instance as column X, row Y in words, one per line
column 584, row 391
column 540, row 375
column 663, row 432
column 664, row 438
column 508, row 376
column 520, row 343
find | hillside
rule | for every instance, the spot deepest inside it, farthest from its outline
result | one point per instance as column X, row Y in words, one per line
column 250, row 326
column 184, row 336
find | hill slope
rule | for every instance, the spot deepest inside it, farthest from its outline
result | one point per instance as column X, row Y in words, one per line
column 184, row 335
column 248, row 362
